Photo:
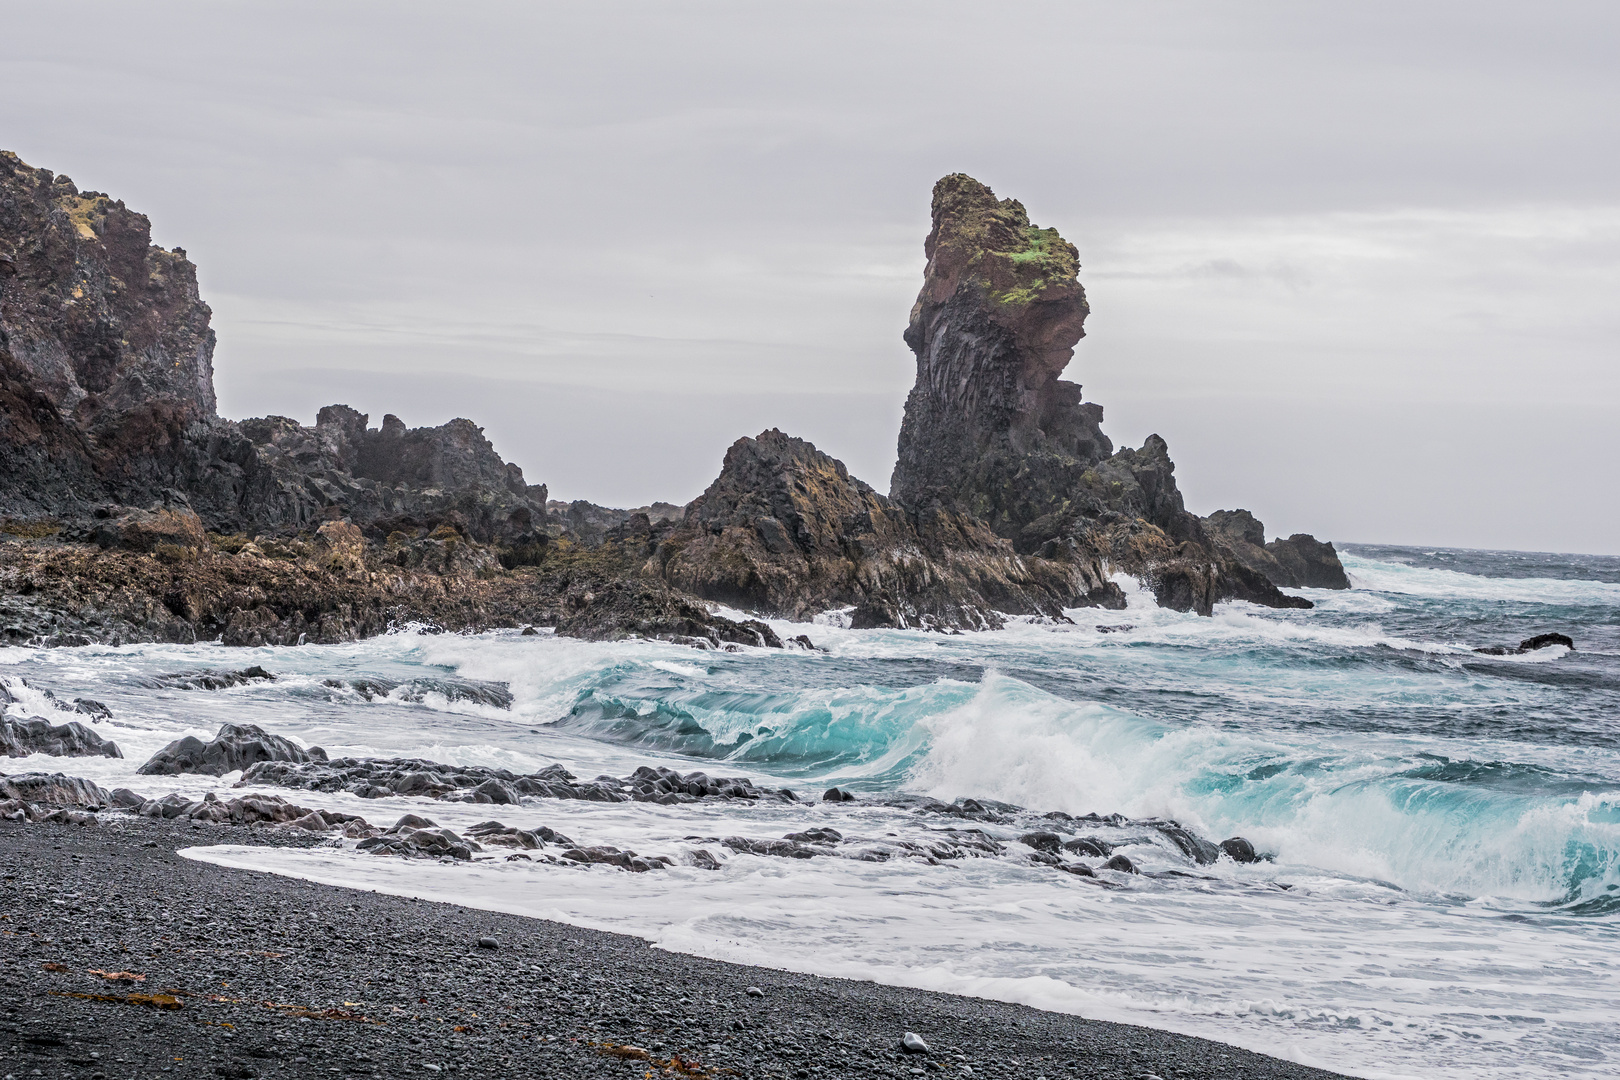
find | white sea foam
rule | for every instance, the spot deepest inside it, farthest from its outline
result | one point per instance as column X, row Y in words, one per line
column 1427, row 931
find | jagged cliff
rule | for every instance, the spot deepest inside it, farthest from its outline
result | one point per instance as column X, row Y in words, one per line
column 1007, row 497
column 107, row 398
column 786, row 529
column 992, row 432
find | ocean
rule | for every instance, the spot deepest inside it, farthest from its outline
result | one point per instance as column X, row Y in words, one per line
column 1441, row 898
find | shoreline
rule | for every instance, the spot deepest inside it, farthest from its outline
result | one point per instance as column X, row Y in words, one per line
column 278, row 976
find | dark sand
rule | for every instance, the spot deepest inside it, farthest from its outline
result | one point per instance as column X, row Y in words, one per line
column 255, row 962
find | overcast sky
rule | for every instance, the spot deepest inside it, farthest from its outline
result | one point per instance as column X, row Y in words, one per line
column 1358, row 263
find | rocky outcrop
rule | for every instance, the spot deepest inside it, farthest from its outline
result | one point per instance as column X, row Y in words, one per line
column 1540, row 641
column 107, row 408
column 991, row 431
column 105, row 347
column 236, row 746
column 54, row 789
column 1299, row 562
column 785, row 529
column 1006, row 498
column 36, row 735
column 1307, row 563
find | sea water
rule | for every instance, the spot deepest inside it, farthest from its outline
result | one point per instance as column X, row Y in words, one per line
column 1442, row 897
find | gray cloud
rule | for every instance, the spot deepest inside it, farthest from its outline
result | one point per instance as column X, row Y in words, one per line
column 1356, row 262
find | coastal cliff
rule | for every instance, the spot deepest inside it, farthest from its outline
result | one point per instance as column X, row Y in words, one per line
column 136, row 512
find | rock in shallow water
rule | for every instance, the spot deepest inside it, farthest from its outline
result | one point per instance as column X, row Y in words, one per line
column 1240, row 850
column 36, row 735
column 1540, row 641
column 237, row 746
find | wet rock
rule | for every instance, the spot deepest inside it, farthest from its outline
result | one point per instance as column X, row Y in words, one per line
column 1078, row 870
column 374, row 778
column 612, row 856
column 36, row 735
column 912, row 1043
column 424, row 841
column 833, row 794
column 210, row 679
column 92, row 708
column 1308, row 563
column 787, row 849
column 1239, row 850
column 1121, row 863
column 1540, row 641
column 1089, row 845
column 754, row 991
column 1195, row 847
column 488, row 943
column 1048, row 842
column 816, row 836
column 237, row 746
column 494, row 834
column 246, row 810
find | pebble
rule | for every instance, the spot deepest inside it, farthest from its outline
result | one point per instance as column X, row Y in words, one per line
column 754, row 991
column 912, row 1043
column 488, row 943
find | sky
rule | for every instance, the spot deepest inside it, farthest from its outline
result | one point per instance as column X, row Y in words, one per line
column 1357, row 263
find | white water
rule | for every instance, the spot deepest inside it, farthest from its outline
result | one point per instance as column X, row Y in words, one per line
column 1430, row 926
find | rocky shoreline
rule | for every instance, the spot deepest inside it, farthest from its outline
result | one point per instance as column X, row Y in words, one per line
column 127, row 960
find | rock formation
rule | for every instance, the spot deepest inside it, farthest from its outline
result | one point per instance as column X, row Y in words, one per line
column 36, row 735
column 992, row 432
column 1299, row 562
column 135, row 512
column 785, row 529
column 236, row 746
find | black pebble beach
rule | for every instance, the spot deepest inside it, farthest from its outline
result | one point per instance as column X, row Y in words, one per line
column 127, row 960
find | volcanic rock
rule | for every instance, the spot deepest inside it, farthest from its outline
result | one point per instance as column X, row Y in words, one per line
column 53, row 789
column 237, row 746
column 1540, row 641
column 991, row 432
column 36, row 735
column 785, row 529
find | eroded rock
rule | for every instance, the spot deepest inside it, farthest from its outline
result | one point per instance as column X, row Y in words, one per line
column 36, row 735
column 237, row 746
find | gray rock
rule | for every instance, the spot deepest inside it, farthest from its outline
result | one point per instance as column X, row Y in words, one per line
column 1239, row 850
column 36, row 735
column 237, row 746
column 912, row 1043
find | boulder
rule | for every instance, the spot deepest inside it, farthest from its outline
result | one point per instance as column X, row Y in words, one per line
column 36, row 735
column 1239, row 850
column 150, row 530
column 237, row 746
column 54, row 789
column 992, row 433
column 1308, row 563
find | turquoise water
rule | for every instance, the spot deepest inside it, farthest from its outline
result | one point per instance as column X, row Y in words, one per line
column 1443, row 897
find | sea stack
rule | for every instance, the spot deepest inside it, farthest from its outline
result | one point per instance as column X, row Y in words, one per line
column 992, row 432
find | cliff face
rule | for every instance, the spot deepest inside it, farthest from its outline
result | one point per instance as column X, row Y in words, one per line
column 107, row 399
column 990, row 429
column 786, row 529
column 991, row 432
column 105, row 322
